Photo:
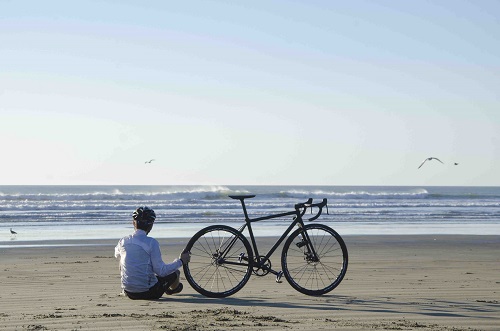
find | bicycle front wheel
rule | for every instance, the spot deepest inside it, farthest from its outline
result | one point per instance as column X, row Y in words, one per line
column 314, row 264
column 221, row 261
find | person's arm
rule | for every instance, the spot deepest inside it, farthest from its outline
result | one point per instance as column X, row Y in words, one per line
column 161, row 268
column 117, row 249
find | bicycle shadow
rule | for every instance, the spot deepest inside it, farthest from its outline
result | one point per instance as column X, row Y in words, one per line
column 263, row 301
column 424, row 307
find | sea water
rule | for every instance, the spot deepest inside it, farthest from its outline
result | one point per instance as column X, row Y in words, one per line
column 45, row 213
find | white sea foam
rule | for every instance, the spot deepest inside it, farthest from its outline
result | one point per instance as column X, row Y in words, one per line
column 66, row 208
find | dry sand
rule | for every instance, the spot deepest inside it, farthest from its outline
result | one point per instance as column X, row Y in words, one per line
column 392, row 283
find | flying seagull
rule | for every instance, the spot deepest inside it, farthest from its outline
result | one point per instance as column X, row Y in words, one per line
column 429, row 159
column 149, row 161
column 12, row 231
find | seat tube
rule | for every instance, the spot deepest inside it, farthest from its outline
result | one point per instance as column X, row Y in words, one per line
column 249, row 226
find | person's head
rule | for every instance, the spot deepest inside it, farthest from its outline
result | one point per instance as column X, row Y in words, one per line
column 144, row 218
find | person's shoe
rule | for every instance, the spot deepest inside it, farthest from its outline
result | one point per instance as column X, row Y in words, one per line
column 176, row 290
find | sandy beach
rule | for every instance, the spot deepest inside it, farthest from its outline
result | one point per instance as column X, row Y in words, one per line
column 392, row 283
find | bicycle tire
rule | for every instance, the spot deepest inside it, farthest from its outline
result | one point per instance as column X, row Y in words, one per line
column 314, row 277
column 218, row 268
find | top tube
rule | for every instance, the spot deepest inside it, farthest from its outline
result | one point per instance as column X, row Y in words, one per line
column 300, row 208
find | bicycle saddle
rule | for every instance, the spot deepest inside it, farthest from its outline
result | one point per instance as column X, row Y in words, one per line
column 241, row 197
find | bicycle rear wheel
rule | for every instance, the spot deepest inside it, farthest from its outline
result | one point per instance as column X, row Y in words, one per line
column 221, row 261
column 309, row 273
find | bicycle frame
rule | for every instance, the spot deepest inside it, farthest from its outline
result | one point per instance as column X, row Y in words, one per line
column 297, row 220
column 313, row 256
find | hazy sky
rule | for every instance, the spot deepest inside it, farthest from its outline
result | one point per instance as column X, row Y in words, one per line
column 250, row 92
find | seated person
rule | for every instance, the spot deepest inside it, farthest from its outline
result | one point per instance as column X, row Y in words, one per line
column 144, row 275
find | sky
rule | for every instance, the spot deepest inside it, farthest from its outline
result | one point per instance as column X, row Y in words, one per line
column 250, row 92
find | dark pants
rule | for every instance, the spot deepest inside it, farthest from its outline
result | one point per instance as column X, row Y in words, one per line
column 157, row 290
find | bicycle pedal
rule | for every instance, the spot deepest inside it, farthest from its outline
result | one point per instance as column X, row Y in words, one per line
column 278, row 277
column 241, row 257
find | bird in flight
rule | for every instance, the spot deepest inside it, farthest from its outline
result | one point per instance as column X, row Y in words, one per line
column 429, row 159
column 12, row 231
column 149, row 161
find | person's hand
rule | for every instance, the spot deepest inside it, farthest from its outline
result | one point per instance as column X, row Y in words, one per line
column 185, row 257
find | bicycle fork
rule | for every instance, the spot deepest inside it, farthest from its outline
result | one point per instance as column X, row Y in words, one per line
column 310, row 255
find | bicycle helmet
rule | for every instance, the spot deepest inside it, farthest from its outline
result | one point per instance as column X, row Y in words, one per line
column 144, row 215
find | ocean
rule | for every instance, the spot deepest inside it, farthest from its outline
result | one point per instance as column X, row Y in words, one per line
column 47, row 213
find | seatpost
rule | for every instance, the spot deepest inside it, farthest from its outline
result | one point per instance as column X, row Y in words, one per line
column 244, row 207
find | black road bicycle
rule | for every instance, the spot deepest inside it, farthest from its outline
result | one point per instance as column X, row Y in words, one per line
column 313, row 260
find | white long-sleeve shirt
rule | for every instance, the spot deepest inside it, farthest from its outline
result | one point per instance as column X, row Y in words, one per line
column 140, row 262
